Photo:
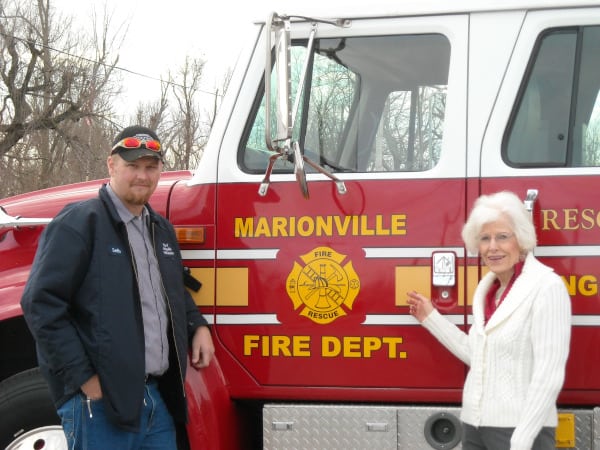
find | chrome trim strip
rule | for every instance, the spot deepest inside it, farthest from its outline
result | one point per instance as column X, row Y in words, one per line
column 409, row 252
column 371, row 319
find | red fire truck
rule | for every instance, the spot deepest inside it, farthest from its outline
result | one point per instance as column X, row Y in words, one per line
column 319, row 204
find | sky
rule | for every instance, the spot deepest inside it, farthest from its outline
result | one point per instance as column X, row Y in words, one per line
column 161, row 33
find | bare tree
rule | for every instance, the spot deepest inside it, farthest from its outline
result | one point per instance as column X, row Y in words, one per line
column 58, row 86
column 218, row 96
column 153, row 114
column 177, row 116
column 48, row 86
column 186, row 147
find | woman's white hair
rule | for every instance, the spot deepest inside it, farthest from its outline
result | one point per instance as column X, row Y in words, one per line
column 490, row 208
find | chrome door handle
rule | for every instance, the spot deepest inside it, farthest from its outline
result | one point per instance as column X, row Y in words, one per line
column 530, row 199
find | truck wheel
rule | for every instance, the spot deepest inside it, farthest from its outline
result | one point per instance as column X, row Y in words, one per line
column 29, row 419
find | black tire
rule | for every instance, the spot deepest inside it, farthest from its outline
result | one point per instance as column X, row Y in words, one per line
column 25, row 405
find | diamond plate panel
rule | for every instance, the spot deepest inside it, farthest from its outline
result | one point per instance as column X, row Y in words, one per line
column 346, row 427
column 596, row 429
column 328, row 427
column 584, row 428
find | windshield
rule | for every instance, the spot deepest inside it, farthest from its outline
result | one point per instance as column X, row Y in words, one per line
column 369, row 104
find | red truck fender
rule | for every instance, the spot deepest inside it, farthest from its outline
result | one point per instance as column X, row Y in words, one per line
column 213, row 421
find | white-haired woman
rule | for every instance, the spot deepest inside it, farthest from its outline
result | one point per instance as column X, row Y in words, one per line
column 518, row 344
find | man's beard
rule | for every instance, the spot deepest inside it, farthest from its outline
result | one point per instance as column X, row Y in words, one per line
column 137, row 199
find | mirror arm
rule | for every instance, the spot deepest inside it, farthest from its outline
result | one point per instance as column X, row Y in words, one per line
column 264, row 185
column 341, row 187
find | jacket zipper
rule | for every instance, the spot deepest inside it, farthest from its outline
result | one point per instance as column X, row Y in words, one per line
column 135, row 272
column 168, row 302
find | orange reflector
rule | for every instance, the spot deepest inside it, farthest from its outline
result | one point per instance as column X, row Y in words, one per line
column 190, row 235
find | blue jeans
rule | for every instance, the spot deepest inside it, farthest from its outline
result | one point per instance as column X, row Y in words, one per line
column 87, row 427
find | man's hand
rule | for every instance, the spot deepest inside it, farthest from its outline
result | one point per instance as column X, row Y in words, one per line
column 203, row 348
column 91, row 388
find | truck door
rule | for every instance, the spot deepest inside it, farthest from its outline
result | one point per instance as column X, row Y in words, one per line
column 311, row 292
column 544, row 138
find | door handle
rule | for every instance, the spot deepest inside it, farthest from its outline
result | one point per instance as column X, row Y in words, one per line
column 530, row 199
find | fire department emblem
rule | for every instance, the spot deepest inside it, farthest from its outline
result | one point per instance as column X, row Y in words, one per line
column 322, row 285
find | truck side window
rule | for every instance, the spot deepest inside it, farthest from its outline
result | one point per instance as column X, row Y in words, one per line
column 369, row 104
column 557, row 120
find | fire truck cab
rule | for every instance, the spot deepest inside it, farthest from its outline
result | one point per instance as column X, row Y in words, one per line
column 336, row 183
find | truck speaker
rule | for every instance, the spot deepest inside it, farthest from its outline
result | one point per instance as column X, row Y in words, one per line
column 443, row 431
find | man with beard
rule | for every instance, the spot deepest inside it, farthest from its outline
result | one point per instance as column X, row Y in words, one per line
column 109, row 311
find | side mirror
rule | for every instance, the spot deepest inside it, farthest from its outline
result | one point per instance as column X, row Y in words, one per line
column 278, row 39
column 278, row 29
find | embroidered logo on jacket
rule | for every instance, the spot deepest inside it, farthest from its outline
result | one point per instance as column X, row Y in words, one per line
column 167, row 250
column 114, row 250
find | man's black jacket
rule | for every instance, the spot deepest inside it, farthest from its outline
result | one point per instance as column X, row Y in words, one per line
column 82, row 305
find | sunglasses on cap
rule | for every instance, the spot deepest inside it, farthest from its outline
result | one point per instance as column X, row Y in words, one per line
column 133, row 142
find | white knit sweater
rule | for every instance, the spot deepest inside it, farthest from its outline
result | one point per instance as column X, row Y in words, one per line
column 517, row 361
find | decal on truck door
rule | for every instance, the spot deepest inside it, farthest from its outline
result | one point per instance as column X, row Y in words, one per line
column 322, row 285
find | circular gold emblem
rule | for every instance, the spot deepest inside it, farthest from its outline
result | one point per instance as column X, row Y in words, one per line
column 323, row 285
